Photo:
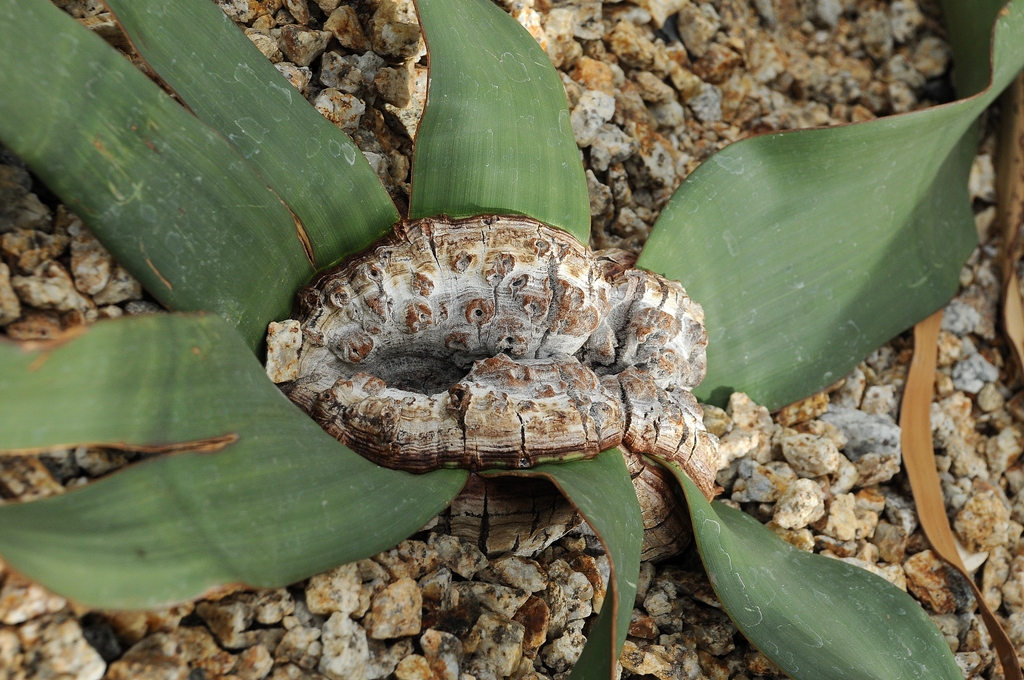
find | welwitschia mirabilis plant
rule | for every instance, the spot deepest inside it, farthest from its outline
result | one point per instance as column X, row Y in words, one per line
column 196, row 207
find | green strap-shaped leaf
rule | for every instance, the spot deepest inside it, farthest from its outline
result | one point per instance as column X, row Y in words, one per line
column 808, row 249
column 171, row 198
column 495, row 136
column 600, row 490
column 282, row 502
column 309, row 162
column 815, row 617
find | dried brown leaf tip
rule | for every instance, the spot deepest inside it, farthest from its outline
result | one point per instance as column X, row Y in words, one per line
column 496, row 342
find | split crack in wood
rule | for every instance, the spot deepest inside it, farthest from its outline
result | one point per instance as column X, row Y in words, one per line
column 499, row 342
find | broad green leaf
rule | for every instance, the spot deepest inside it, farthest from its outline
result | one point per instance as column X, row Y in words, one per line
column 815, row 617
column 495, row 136
column 169, row 197
column 808, row 249
column 602, row 492
column 284, row 501
column 310, row 163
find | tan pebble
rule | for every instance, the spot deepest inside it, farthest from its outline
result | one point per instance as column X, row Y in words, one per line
column 414, row 667
column 121, row 287
column 394, row 29
column 983, row 522
column 337, row 590
column 158, row 656
column 284, row 340
column 927, row 579
column 443, row 652
column 798, row 538
column 396, row 611
column 501, row 644
column 802, row 503
column 804, row 410
column 989, row 399
column 345, row 652
column 21, row 600
column 842, row 518
column 344, row 25
column 10, row 306
column 811, row 456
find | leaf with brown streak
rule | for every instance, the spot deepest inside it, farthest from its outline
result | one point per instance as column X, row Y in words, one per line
column 279, row 501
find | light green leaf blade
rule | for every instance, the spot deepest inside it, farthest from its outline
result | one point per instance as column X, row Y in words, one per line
column 601, row 490
column 168, row 196
column 809, row 249
column 281, row 503
column 495, row 136
column 813, row 616
column 315, row 168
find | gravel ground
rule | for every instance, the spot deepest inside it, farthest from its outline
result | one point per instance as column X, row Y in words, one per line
column 651, row 98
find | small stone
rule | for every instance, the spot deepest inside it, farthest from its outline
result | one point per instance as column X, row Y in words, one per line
column 27, row 249
column 298, row 76
column 931, row 56
column 96, row 462
column 561, row 653
column 284, row 340
column 707, row 106
column 865, row 433
column 157, row 657
column 500, row 645
column 302, row 45
column 594, row 109
column 337, row 590
column 342, row 109
column 983, row 521
column 906, row 18
column 498, row 599
column 989, row 399
column 842, row 518
column 10, row 306
column 254, row 663
column 891, row 541
column 395, row 85
column 852, row 391
column 630, row 45
column 395, row 30
column 443, row 652
column 1003, row 450
column 697, row 25
column 997, row 570
column 198, row 648
column 265, row 44
column 409, row 559
column 21, row 600
column 142, row 307
column 414, row 667
column 26, row 478
column 761, row 483
column 876, row 34
column 611, row 145
column 717, row 64
column 300, row 644
column 273, row 605
column 228, row 618
column 54, row 647
column 928, row 580
column 981, row 183
column 298, row 9
column 344, row 25
column 802, row 503
column 594, row 75
column 535, row 617
column 515, row 571
column 345, row 652
column 121, row 287
column 810, row 456
column 463, row 558
column 880, row 400
column 396, row 611
column 971, row 374
column 804, row 410
column 828, row 12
